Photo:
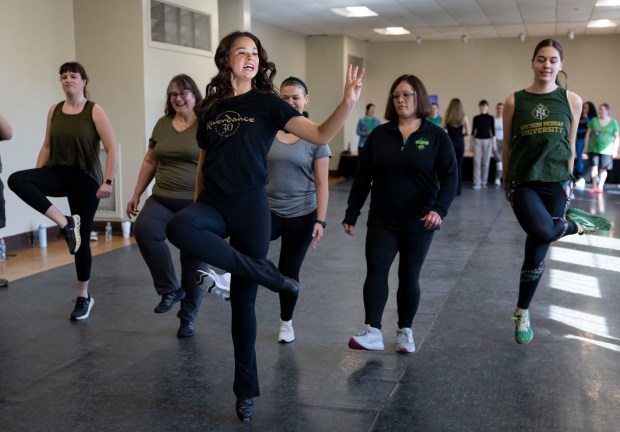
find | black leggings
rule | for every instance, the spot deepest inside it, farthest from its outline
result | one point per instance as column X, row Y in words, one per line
column 33, row 186
column 201, row 230
column 296, row 233
column 382, row 244
column 540, row 209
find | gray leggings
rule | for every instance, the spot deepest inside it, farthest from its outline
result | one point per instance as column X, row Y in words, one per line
column 150, row 232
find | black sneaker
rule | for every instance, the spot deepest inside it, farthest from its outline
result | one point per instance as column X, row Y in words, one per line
column 71, row 233
column 168, row 300
column 245, row 409
column 82, row 308
column 186, row 329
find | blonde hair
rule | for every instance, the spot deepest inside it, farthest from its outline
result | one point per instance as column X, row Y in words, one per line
column 455, row 115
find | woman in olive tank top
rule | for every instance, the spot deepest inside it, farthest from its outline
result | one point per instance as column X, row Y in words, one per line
column 68, row 165
column 540, row 128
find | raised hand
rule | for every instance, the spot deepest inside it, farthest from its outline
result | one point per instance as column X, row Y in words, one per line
column 353, row 84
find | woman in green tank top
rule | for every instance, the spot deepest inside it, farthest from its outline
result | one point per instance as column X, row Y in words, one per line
column 540, row 128
column 68, row 165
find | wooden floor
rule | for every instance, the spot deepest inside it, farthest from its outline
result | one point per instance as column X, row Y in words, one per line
column 26, row 262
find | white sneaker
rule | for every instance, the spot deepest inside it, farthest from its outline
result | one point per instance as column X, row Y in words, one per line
column 369, row 339
column 213, row 283
column 404, row 341
column 287, row 334
column 498, row 181
column 580, row 184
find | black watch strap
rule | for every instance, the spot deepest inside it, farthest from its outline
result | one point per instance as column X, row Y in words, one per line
column 108, row 182
column 320, row 222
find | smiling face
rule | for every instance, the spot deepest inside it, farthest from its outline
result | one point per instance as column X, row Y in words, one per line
column 404, row 100
column 243, row 59
column 295, row 96
column 547, row 64
column 182, row 100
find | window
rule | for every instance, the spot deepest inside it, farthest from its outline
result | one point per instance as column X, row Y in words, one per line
column 180, row 27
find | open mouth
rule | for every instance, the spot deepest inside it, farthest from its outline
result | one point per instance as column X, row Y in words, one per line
column 249, row 67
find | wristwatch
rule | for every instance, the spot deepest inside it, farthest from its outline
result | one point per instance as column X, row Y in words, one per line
column 108, row 182
column 320, row 222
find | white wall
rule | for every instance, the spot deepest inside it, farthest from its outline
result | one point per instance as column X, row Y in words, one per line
column 286, row 49
column 490, row 69
column 37, row 37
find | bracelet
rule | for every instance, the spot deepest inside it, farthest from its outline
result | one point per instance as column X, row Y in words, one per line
column 320, row 222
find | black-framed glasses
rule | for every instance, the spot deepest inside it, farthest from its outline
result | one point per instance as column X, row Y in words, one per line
column 183, row 94
column 404, row 95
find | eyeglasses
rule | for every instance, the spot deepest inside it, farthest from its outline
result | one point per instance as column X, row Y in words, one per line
column 404, row 95
column 183, row 94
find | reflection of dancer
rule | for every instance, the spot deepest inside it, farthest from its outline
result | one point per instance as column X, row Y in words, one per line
column 298, row 194
column 238, row 121
column 410, row 167
column 6, row 133
column 171, row 160
column 601, row 144
column 537, row 170
column 68, row 165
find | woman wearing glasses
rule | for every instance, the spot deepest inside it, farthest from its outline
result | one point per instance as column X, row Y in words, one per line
column 410, row 166
column 171, row 160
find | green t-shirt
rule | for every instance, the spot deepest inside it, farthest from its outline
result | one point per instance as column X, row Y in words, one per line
column 177, row 156
column 602, row 137
column 540, row 149
column 435, row 120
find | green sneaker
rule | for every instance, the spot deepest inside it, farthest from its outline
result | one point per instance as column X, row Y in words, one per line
column 589, row 222
column 523, row 329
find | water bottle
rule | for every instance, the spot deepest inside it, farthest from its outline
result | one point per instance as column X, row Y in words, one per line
column 2, row 250
column 35, row 238
column 108, row 231
column 42, row 236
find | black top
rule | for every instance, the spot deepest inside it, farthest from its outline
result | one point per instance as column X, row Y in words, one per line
column 408, row 179
column 237, row 138
column 484, row 126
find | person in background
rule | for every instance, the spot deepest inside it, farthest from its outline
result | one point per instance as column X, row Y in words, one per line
column 483, row 144
column 237, row 123
column 69, row 165
column 298, row 194
column 499, row 142
column 456, row 123
column 410, row 169
column 601, row 144
column 365, row 125
column 171, row 160
column 587, row 113
column 434, row 118
column 6, row 133
column 538, row 164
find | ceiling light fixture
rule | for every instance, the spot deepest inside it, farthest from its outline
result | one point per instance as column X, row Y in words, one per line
column 392, row 31
column 521, row 37
column 607, row 3
column 464, row 39
column 418, row 40
column 602, row 23
column 570, row 35
column 354, row 12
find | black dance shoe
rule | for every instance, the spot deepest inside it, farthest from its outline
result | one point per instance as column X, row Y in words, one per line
column 245, row 409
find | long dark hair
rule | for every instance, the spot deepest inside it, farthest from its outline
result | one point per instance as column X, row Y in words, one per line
column 558, row 46
column 75, row 67
column 591, row 109
column 184, row 82
column 423, row 108
column 220, row 87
